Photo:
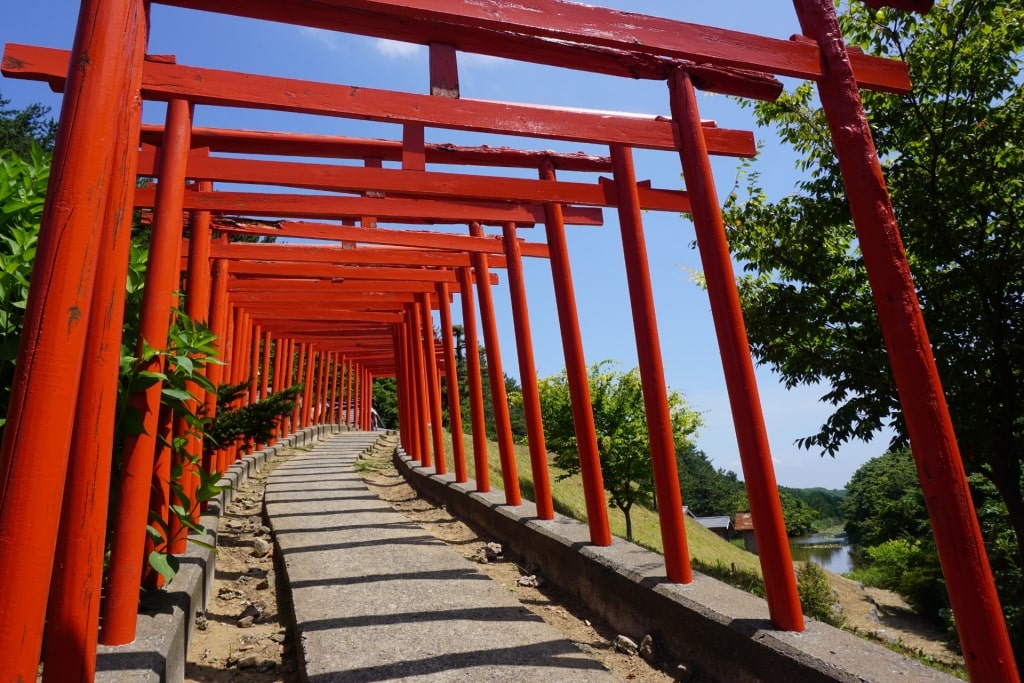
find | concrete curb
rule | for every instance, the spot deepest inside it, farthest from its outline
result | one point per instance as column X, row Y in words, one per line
column 722, row 632
column 157, row 655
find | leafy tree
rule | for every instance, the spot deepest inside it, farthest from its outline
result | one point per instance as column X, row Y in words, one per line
column 826, row 502
column 707, row 491
column 621, row 426
column 459, row 333
column 887, row 524
column 955, row 167
column 21, row 128
column 516, row 410
column 884, row 502
column 385, row 400
column 801, row 519
column 1002, row 555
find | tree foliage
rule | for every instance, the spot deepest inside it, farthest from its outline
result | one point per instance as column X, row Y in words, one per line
column 22, row 193
column 255, row 422
column 26, row 138
column 954, row 163
column 887, row 525
column 884, row 502
column 21, row 129
column 800, row 518
column 827, row 502
column 621, row 426
column 707, row 491
column 385, row 400
column 816, row 595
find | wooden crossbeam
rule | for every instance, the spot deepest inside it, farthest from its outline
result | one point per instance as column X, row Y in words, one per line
column 549, row 31
column 396, row 182
column 346, row 299
column 625, row 63
column 384, row 347
column 351, row 330
column 326, row 288
column 255, row 283
column 216, row 87
column 398, row 238
column 381, row 317
column 322, row 288
column 302, row 253
column 396, row 210
column 331, row 270
column 277, row 143
column 376, row 332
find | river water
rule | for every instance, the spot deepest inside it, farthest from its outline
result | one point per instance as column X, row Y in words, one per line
column 830, row 551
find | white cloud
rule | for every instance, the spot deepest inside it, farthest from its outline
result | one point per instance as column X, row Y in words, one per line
column 328, row 39
column 394, row 49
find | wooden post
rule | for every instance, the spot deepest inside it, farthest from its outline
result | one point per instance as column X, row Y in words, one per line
column 255, row 364
column 972, row 594
column 452, row 385
column 351, row 418
column 218, row 324
column 433, row 384
column 418, row 403
column 474, row 382
column 755, row 455
column 528, row 374
column 576, row 370
column 332, row 394
column 197, row 308
column 126, row 550
column 290, row 381
column 72, row 621
column 499, row 399
column 307, row 392
column 652, row 373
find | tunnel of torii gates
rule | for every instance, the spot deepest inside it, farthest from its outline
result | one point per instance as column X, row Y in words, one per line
column 334, row 316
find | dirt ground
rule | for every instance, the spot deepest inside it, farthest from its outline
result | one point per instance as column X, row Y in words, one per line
column 242, row 637
column 886, row 617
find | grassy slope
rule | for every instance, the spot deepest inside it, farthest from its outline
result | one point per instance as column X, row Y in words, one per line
column 705, row 547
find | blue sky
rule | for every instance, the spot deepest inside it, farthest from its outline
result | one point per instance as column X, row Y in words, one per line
column 690, row 352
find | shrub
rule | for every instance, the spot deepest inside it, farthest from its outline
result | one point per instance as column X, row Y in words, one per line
column 22, row 193
column 816, row 595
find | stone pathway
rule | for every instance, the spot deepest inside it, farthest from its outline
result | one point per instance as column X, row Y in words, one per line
column 376, row 598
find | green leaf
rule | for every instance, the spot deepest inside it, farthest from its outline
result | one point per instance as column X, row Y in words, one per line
column 202, row 544
column 177, row 394
column 180, row 511
column 164, row 564
column 184, row 364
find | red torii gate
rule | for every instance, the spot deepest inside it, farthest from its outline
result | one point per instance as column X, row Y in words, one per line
column 94, row 169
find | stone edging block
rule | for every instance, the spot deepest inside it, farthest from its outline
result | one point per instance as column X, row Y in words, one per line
column 157, row 655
